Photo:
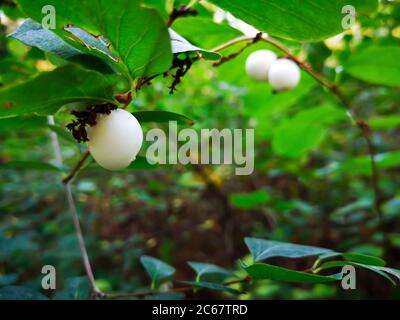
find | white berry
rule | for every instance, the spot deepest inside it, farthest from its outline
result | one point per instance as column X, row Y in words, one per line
column 284, row 74
column 115, row 140
column 258, row 64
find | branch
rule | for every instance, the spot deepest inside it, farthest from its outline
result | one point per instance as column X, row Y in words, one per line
column 182, row 289
column 96, row 293
column 182, row 11
column 237, row 53
column 333, row 88
column 125, row 99
column 77, row 167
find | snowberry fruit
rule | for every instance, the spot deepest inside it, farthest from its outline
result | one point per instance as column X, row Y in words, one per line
column 115, row 140
column 284, row 74
column 258, row 64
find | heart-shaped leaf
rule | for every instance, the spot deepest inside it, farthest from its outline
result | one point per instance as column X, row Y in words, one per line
column 206, row 268
column 156, row 269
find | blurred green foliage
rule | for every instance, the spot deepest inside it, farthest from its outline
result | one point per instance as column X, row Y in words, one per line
column 311, row 184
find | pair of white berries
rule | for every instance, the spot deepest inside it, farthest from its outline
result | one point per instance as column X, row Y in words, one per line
column 115, row 140
column 264, row 65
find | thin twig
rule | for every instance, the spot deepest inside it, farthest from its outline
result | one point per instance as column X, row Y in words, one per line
column 182, row 11
column 96, row 293
column 240, row 51
column 77, row 167
column 182, row 289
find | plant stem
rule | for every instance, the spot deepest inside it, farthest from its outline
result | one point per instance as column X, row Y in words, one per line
column 77, row 167
column 96, row 293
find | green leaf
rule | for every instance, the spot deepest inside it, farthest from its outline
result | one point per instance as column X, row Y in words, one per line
column 364, row 259
column 33, row 34
column 212, row 286
column 20, row 293
column 138, row 35
column 295, row 19
column 206, row 268
column 382, row 271
column 384, row 122
column 181, row 45
column 391, row 271
column 378, row 65
column 29, row 165
column 62, row 133
column 163, row 6
column 204, row 31
column 261, row 271
column 263, row 103
column 22, row 124
column 297, row 136
column 92, row 42
column 156, row 269
column 12, row 71
column 263, row 249
column 250, row 200
column 48, row 92
column 365, row 6
column 326, row 114
column 141, row 164
column 162, row 116
column 354, row 257
column 77, row 288
column 362, row 165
